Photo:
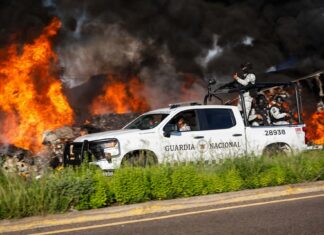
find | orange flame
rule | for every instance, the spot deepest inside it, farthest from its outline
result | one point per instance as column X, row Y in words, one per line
column 315, row 127
column 190, row 89
column 120, row 97
column 31, row 97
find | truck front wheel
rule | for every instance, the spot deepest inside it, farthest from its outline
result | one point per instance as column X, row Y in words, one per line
column 139, row 158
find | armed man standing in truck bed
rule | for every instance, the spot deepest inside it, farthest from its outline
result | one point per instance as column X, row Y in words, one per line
column 248, row 79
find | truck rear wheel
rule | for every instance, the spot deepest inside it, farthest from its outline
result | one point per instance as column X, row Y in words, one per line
column 277, row 149
column 140, row 158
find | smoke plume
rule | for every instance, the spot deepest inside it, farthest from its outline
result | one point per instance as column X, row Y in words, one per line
column 164, row 42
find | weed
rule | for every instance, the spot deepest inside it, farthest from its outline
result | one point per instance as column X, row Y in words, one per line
column 86, row 187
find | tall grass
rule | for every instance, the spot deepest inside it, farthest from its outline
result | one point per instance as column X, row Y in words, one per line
column 86, row 187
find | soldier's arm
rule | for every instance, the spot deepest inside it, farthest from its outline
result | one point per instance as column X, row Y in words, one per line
column 252, row 115
column 276, row 113
column 250, row 78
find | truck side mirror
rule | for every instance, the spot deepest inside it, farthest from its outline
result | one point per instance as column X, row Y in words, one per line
column 169, row 128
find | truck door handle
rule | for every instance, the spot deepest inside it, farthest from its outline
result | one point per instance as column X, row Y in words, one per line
column 237, row 135
column 199, row 137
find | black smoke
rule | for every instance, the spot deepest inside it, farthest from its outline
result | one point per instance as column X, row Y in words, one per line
column 161, row 40
column 280, row 30
column 21, row 21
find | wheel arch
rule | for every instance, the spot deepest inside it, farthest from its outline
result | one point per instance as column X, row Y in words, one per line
column 140, row 151
column 277, row 147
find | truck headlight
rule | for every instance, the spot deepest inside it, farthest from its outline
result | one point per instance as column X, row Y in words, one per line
column 110, row 148
column 111, row 144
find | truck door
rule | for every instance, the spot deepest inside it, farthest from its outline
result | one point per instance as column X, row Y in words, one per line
column 182, row 145
column 223, row 134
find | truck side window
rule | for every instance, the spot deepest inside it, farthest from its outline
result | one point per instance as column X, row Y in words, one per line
column 147, row 121
column 189, row 117
column 213, row 119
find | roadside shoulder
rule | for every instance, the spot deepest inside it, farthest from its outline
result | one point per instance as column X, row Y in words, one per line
column 115, row 212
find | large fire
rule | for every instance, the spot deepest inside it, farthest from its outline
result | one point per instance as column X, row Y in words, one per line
column 31, row 98
column 315, row 127
column 32, row 101
column 120, row 97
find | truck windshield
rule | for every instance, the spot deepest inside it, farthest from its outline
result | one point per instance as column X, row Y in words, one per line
column 148, row 121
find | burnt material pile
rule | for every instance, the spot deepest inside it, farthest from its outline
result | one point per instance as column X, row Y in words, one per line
column 107, row 122
column 16, row 160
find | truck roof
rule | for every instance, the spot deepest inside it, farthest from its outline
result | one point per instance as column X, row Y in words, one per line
column 186, row 107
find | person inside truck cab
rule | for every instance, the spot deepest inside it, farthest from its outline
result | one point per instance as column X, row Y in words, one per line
column 278, row 114
column 148, row 123
column 182, row 125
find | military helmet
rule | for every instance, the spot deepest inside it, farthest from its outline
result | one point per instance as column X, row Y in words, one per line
column 246, row 67
column 279, row 99
column 261, row 100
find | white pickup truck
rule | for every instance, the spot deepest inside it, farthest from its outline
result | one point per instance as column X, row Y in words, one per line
column 216, row 132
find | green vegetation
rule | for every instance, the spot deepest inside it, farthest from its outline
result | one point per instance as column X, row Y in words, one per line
column 85, row 187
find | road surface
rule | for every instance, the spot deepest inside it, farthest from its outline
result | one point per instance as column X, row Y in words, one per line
column 296, row 214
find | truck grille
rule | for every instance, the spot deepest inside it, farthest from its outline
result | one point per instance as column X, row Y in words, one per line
column 73, row 152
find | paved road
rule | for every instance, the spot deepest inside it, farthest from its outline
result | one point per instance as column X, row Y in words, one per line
column 300, row 214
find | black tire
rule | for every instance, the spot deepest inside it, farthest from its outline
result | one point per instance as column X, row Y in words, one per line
column 277, row 149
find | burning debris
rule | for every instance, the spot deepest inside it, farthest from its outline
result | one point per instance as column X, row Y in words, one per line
column 108, row 122
column 312, row 88
column 56, row 138
column 23, row 162
column 315, row 127
column 120, row 97
column 16, row 160
column 31, row 98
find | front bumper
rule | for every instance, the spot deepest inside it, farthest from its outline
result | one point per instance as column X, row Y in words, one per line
column 91, row 151
column 103, row 164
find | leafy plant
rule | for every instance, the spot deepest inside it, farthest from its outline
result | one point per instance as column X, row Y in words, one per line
column 86, row 187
